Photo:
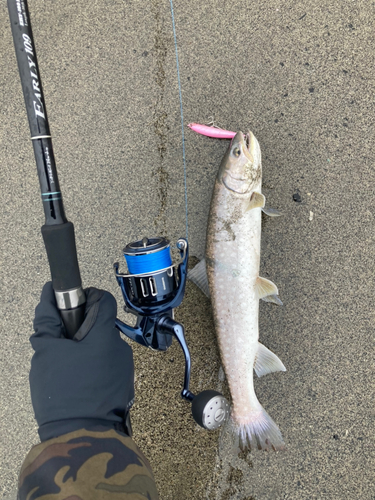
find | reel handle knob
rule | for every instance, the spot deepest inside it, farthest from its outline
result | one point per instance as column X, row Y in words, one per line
column 210, row 409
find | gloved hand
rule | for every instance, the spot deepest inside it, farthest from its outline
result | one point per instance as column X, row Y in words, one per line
column 84, row 382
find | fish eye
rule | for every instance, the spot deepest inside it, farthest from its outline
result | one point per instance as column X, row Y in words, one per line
column 236, row 152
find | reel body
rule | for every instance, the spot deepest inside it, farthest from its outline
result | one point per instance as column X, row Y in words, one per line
column 151, row 290
column 152, row 294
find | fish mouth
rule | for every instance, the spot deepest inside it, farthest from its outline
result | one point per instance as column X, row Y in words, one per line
column 250, row 143
column 245, row 139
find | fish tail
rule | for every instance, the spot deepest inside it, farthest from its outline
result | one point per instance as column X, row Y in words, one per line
column 257, row 431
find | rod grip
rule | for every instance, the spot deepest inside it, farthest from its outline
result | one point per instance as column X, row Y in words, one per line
column 60, row 244
column 73, row 319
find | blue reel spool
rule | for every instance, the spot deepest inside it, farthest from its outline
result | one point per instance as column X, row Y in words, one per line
column 148, row 255
column 151, row 281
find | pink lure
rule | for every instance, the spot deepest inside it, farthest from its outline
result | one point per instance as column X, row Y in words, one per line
column 217, row 133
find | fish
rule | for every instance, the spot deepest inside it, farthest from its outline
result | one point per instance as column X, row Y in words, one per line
column 229, row 274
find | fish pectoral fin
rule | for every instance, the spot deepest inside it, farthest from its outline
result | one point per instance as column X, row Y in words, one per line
column 257, row 200
column 275, row 299
column 271, row 212
column 267, row 362
column 265, row 289
column 198, row 275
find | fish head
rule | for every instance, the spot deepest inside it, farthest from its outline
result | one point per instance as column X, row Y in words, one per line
column 241, row 168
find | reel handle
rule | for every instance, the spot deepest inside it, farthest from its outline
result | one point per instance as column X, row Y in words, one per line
column 168, row 325
column 210, row 408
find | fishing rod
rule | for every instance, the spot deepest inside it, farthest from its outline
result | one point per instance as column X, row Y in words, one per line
column 153, row 285
column 57, row 231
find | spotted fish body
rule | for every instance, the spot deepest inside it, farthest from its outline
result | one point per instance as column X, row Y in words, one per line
column 232, row 265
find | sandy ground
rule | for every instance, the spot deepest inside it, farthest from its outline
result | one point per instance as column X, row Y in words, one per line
column 300, row 75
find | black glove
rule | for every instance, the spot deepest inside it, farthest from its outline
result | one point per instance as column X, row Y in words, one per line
column 84, row 382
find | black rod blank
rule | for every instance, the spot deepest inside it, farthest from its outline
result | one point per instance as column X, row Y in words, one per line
column 58, row 233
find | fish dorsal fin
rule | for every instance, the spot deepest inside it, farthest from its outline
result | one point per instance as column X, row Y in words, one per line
column 271, row 212
column 267, row 362
column 198, row 275
column 257, row 200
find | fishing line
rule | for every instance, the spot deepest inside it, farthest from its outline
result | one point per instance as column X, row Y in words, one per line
column 149, row 262
column 182, row 116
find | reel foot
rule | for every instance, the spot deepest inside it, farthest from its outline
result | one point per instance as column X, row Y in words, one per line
column 210, row 409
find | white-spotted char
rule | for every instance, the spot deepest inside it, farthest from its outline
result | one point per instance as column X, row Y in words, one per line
column 232, row 267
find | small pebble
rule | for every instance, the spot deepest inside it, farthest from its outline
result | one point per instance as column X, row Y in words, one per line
column 311, row 216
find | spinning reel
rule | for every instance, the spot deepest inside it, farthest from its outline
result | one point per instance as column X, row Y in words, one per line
column 151, row 290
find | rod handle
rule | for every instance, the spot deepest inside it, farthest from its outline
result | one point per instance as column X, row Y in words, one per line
column 73, row 319
column 60, row 244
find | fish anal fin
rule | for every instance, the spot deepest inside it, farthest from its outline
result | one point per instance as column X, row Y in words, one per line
column 267, row 362
column 257, row 200
column 198, row 275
